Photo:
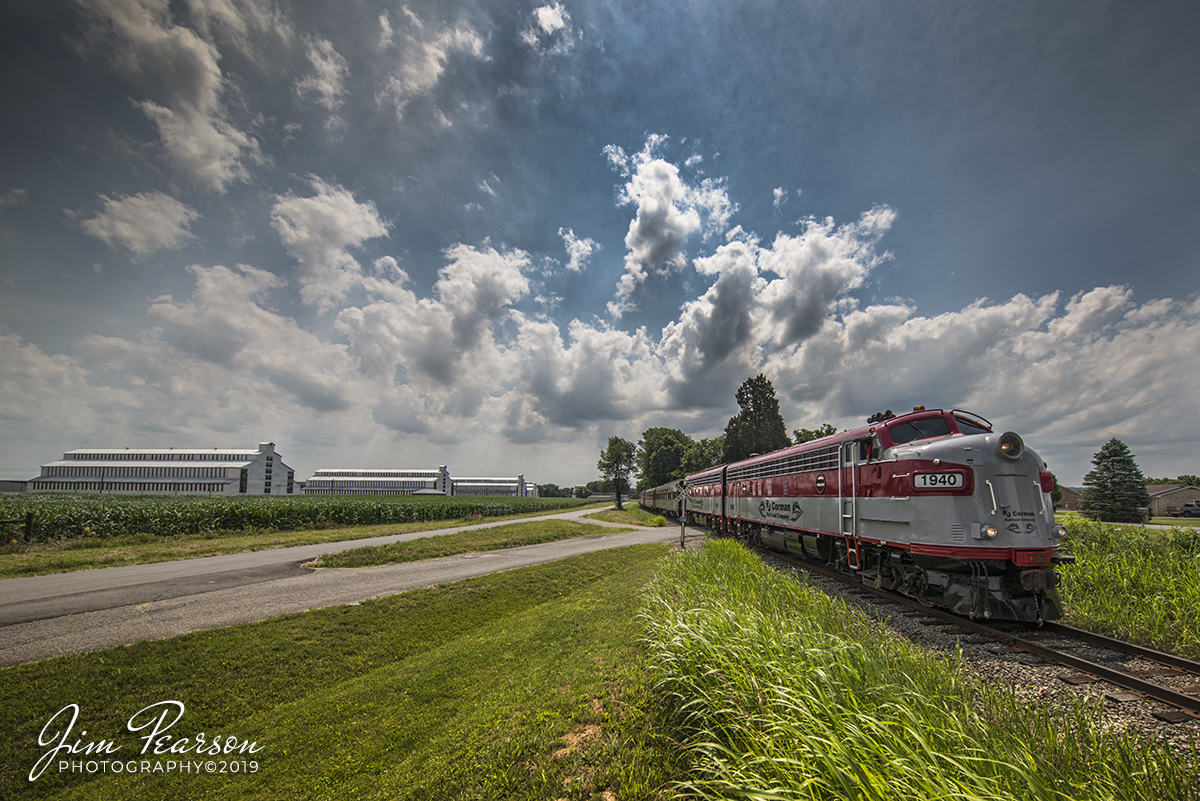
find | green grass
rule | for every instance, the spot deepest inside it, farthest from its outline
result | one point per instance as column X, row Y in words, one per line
column 629, row 515
column 85, row 553
column 1134, row 583
column 489, row 539
column 784, row 693
column 528, row 684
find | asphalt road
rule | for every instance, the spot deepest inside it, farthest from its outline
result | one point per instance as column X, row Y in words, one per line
column 45, row 616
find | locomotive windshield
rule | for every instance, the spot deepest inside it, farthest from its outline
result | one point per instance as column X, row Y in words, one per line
column 967, row 427
column 919, row 429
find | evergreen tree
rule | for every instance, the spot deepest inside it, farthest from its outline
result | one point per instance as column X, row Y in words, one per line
column 758, row 427
column 1116, row 488
column 616, row 462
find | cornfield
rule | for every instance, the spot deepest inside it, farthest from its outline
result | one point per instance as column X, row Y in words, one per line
column 102, row 516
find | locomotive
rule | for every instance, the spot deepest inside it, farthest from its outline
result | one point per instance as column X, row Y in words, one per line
column 933, row 504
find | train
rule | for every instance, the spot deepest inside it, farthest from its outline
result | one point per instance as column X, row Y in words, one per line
column 933, row 504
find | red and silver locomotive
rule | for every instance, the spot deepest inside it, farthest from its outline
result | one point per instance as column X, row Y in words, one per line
column 933, row 504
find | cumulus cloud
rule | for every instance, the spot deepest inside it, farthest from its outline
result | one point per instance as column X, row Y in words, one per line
column 143, row 223
column 223, row 324
column 180, row 70
column 419, row 57
column 578, row 250
column 318, row 231
column 669, row 210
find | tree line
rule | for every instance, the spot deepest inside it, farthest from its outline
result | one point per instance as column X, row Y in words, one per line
column 663, row 455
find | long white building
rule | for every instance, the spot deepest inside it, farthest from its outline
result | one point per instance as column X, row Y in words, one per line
column 170, row 471
column 498, row 487
column 365, row 481
column 412, row 481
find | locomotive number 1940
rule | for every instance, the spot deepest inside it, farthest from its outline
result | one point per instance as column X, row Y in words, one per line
column 938, row 481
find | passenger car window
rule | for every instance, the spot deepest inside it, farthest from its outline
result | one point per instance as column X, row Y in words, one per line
column 919, row 429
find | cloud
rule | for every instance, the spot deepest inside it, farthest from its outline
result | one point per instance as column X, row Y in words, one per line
column 318, row 231
column 578, row 250
column 1069, row 377
column 815, row 268
column 180, row 70
column 550, row 30
column 457, row 338
column 13, row 197
column 420, row 57
column 669, row 210
column 143, row 223
column 327, row 83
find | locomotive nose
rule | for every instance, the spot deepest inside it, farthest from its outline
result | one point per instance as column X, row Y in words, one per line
column 1011, row 445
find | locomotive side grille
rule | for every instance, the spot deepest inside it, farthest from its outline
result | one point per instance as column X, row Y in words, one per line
column 822, row 459
column 704, row 481
column 958, row 533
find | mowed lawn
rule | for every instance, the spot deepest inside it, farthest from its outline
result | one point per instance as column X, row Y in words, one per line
column 524, row 684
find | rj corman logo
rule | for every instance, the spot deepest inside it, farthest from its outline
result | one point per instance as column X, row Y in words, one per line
column 780, row 511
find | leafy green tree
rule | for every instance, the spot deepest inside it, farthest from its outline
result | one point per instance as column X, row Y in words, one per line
column 1116, row 488
column 616, row 462
column 660, row 454
column 1187, row 481
column 758, row 427
column 553, row 491
column 803, row 435
column 703, row 454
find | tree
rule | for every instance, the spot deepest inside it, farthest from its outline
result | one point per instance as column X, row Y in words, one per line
column 660, row 454
column 1187, row 481
column 703, row 454
column 758, row 427
column 1116, row 488
column 616, row 462
column 553, row 491
column 803, row 435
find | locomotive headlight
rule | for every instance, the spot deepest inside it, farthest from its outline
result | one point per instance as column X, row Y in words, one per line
column 1011, row 445
column 1057, row 531
column 990, row 532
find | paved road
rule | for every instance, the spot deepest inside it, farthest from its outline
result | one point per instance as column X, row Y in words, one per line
column 44, row 616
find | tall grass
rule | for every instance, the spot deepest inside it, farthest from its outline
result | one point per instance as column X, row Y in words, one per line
column 786, row 694
column 1135, row 583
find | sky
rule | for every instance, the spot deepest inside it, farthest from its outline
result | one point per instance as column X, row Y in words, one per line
column 492, row 235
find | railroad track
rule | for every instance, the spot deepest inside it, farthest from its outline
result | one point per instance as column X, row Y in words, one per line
column 1164, row 678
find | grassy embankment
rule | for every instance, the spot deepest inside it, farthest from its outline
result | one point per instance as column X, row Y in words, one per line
column 513, row 535
column 629, row 515
column 527, row 684
column 783, row 692
column 65, row 554
column 1134, row 583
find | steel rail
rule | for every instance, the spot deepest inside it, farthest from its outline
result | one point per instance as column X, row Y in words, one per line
column 1189, row 703
column 1129, row 648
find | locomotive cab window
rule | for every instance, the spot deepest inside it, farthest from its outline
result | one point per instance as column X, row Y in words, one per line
column 968, row 427
column 913, row 430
